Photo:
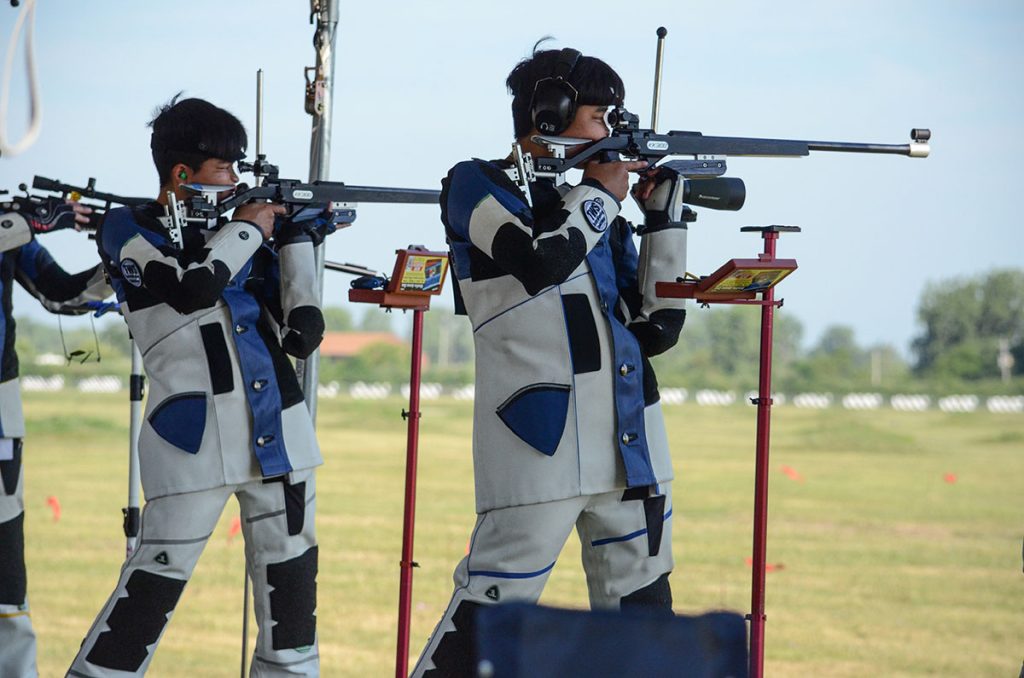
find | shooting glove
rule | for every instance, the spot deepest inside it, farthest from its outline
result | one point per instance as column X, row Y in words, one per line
column 52, row 215
column 302, row 225
column 662, row 259
column 665, row 204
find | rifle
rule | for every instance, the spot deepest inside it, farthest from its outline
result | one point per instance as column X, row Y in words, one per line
column 51, row 210
column 335, row 200
column 627, row 139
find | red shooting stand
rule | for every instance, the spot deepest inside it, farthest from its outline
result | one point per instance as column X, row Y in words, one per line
column 418, row 275
column 739, row 281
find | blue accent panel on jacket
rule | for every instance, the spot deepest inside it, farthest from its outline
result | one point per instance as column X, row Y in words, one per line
column 119, row 227
column 469, row 186
column 257, row 368
column 31, row 258
column 627, row 265
column 271, row 274
column 629, row 390
column 118, row 288
column 460, row 259
column 537, row 415
column 181, row 421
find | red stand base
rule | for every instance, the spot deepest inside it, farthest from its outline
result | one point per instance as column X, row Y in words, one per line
column 418, row 304
column 705, row 292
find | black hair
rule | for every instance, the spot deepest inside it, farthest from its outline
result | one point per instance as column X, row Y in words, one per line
column 192, row 131
column 597, row 83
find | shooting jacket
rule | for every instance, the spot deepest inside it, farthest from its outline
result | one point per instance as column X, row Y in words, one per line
column 566, row 402
column 22, row 258
column 213, row 321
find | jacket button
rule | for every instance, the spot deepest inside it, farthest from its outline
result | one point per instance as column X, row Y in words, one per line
column 259, row 384
column 264, row 440
column 241, row 329
column 626, row 438
column 625, row 369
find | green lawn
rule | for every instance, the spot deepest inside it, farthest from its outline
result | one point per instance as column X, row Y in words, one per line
column 882, row 566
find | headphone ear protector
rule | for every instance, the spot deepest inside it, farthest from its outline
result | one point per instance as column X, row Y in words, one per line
column 553, row 105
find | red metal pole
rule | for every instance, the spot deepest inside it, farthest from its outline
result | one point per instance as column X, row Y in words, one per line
column 764, row 406
column 409, row 520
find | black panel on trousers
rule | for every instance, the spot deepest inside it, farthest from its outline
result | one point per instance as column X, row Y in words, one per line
column 12, row 561
column 294, row 506
column 136, row 621
column 656, row 595
column 10, row 469
column 293, row 601
column 455, row 656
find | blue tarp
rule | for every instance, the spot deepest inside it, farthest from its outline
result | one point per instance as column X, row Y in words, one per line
column 517, row 640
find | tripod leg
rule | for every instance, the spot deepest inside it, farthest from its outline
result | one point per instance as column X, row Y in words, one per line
column 245, row 623
column 136, row 390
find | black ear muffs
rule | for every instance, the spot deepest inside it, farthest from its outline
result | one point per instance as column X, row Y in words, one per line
column 553, row 105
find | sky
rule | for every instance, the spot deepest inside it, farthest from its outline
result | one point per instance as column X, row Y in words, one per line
column 419, row 86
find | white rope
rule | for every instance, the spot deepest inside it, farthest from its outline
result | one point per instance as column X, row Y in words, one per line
column 35, row 102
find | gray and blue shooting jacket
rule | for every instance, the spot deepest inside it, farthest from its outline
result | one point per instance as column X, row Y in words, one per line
column 214, row 320
column 566, row 402
column 23, row 259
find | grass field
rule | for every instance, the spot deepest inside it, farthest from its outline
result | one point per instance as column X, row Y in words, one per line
column 896, row 537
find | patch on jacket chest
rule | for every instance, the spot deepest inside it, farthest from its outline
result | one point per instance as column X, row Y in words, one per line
column 130, row 271
column 593, row 211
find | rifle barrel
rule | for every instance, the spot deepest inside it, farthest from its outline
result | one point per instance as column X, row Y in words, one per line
column 391, row 195
column 913, row 149
column 351, row 269
column 686, row 143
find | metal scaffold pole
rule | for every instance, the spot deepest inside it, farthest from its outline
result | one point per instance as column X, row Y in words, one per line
column 319, row 97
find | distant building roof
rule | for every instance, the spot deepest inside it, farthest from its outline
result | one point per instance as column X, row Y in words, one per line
column 348, row 344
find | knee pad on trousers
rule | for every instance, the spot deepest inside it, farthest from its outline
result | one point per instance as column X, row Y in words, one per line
column 12, row 561
column 293, row 601
column 136, row 621
column 10, row 470
column 455, row 656
column 657, row 596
